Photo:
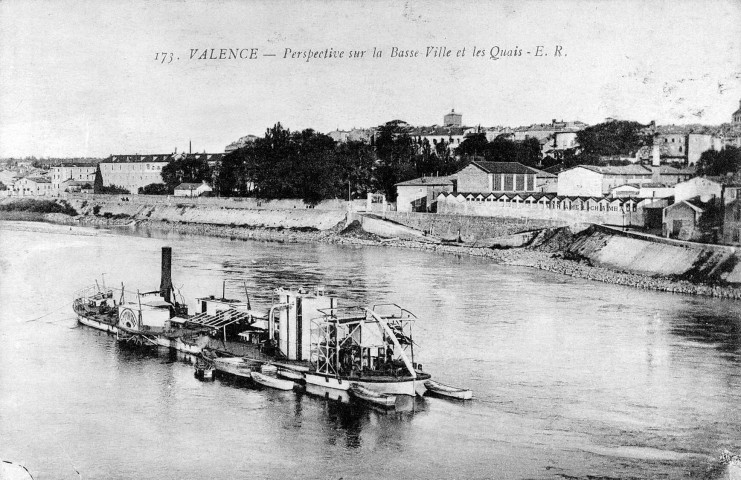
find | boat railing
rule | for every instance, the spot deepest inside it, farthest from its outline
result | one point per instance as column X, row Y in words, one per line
column 393, row 311
column 342, row 314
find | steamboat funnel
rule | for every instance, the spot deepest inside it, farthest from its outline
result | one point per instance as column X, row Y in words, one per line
column 166, row 275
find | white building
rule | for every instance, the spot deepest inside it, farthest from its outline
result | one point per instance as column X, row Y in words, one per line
column 62, row 173
column 192, row 189
column 133, row 171
column 32, row 186
column 596, row 181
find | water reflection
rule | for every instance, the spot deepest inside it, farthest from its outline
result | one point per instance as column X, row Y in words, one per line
column 572, row 379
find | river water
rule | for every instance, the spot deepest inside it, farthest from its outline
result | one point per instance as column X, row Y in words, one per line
column 571, row 378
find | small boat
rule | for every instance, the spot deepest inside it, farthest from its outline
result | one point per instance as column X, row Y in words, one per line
column 448, row 391
column 236, row 366
column 290, row 374
column 368, row 395
column 204, row 369
column 272, row 382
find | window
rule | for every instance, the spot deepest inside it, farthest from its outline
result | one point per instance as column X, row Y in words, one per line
column 736, row 235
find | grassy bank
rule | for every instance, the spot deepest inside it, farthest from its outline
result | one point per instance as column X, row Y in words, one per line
column 32, row 205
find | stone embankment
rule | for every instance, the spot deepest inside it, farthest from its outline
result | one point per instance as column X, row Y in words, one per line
column 595, row 253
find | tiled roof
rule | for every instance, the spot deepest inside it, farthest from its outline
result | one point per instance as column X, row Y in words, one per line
column 78, row 183
column 188, row 186
column 210, row 157
column 504, row 167
column 427, row 181
column 138, row 158
column 618, row 170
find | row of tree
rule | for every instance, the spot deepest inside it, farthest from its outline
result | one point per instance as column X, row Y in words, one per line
column 312, row 166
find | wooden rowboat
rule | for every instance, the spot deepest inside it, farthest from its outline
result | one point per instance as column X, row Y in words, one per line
column 290, row 374
column 362, row 393
column 272, row 382
column 448, row 391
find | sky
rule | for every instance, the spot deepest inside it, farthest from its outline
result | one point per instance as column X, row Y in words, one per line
column 80, row 78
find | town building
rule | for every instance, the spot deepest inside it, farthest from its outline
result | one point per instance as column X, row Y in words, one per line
column 132, row 172
column 420, row 194
column 453, row 119
column 596, row 181
column 682, row 219
column 76, row 186
column 355, row 135
column 482, row 176
column 9, row 177
column 736, row 118
column 732, row 223
column 452, row 136
column 192, row 190
column 32, row 186
column 62, row 173
column 698, row 143
column 545, row 181
column 726, row 189
column 643, row 190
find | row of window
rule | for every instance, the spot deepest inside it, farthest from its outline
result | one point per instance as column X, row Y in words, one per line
column 112, row 167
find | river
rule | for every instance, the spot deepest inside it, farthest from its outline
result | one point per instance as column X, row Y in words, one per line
column 571, row 378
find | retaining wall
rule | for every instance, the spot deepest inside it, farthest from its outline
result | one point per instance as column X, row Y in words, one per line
column 538, row 212
column 247, row 203
column 471, row 228
column 654, row 255
column 208, row 213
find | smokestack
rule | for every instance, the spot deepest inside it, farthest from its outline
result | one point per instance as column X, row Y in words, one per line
column 166, row 275
column 656, row 156
column 190, row 147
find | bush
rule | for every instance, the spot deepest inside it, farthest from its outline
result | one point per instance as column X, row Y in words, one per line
column 39, row 206
column 112, row 190
column 155, row 189
column 96, row 210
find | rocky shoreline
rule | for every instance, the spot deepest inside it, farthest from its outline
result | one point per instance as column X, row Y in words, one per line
column 522, row 257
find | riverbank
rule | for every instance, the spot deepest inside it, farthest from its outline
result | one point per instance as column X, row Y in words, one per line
column 549, row 254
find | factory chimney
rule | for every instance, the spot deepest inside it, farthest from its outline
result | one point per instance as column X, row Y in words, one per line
column 655, row 164
column 166, row 275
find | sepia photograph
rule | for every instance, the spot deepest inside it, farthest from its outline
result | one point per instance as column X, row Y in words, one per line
column 334, row 239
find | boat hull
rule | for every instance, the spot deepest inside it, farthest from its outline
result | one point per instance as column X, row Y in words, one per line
column 106, row 327
column 441, row 390
column 272, row 382
column 398, row 387
column 234, row 366
column 371, row 396
column 290, row 374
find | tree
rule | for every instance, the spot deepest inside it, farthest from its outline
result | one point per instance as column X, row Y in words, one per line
column 187, row 169
column 155, row 189
column 473, row 145
column 111, row 190
column 713, row 162
column 613, row 138
column 396, row 157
